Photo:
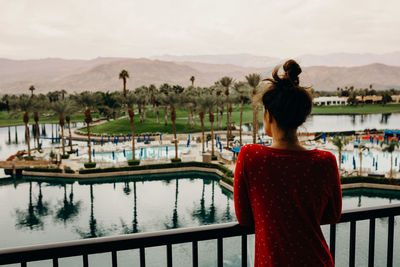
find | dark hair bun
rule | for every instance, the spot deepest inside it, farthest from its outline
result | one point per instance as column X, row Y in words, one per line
column 292, row 70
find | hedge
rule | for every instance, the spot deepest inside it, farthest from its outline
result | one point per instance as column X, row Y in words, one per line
column 89, row 164
column 66, row 156
column 176, row 160
column 369, row 179
column 133, row 162
column 57, row 170
column 227, row 177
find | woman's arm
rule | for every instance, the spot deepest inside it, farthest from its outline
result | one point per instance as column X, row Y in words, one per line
column 333, row 209
column 243, row 211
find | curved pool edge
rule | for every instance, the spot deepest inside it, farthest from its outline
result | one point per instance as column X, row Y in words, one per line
column 89, row 176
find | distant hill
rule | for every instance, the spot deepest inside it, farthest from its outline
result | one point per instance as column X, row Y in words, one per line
column 349, row 59
column 244, row 60
column 102, row 74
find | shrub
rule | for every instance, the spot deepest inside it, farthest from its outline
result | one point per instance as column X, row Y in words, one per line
column 52, row 155
column 214, row 157
column 28, row 157
column 71, row 151
column 176, row 160
column 56, row 170
column 133, row 162
column 68, row 169
column 66, row 156
column 89, row 165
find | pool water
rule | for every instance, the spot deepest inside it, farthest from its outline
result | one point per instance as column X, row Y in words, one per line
column 153, row 152
column 371, row 161
column 39, row 212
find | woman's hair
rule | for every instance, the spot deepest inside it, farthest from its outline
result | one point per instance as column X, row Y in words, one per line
column 287, row 101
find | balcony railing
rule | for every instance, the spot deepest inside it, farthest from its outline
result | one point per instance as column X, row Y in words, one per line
column 141, row 241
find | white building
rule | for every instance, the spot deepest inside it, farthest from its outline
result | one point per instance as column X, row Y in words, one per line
column 330, row 101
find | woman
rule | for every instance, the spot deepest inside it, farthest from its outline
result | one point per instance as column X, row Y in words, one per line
column 285, row 190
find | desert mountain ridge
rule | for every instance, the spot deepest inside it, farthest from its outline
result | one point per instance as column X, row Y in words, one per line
column 102, row 74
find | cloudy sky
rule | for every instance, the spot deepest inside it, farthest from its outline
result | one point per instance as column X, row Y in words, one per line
column 143, row 28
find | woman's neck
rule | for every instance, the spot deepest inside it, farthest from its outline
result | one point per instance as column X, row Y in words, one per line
column 287, row 141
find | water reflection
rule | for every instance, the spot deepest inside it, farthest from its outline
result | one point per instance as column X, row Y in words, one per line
column 94, row 229
column 29, row 218
column 125, row 228
column 68, row 210
column 175, row 211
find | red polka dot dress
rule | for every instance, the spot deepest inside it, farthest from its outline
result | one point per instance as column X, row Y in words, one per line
column 287, row 195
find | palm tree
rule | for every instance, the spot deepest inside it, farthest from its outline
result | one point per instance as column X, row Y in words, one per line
column 32, row 88
column 63, row 93
column 226, row 82
column 361, row 148
column 61, row 109
column 143, row 98
column 37, row 106
column 340, row 142
column 87, row 101
column 164, row 90
column 254, row 80
column 124, row 75
column 210, row 103
column 131, row 100
column 23, row 104
column 192, row 78
column 202, row 103
column 390, row 146
column 241, row 89
column 174, row 100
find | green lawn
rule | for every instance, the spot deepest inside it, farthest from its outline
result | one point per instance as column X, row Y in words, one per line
column 7, row 120
column 366, row 109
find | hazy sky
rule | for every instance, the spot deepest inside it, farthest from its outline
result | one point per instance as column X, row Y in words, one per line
column 133, row 28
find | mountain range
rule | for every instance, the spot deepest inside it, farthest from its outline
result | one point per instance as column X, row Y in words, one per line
column 382, row 71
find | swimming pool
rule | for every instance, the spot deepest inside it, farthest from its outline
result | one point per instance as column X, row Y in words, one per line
column 153, row 152
column 371, row 161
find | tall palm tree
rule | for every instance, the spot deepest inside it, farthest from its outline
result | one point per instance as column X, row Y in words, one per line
column 164, row 90
column 254, row 80
column 143, row 98
column 173, row 99
column 210, row 103
column 340, row 142
column 61, row 109
column 23, row 104
column 63, row 93
column 124, row 75
column 226, row 83
column 202, row 104
column 241, row 88
column 192, row 78
column 361, row 148
column 87, row 101
column 390, row 146
column 32, row 88
column 131, row 100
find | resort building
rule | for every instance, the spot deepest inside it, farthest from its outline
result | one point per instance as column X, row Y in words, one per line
column 396, row 98
column 330, row 101
column 370, row 99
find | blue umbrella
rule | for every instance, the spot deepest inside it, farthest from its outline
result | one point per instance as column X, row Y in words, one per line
column 124, row 138
column 109, row 139
column 129, row 137
column 215, row 136
column 376, row 165
column 94, row 142
column 207, row 143
column 148, row 138
column 166, row 150
column 40, row 145
column 113, row 155
column 160, row 137
column 138, row 138
column 94, row 153
column 395, row 162
column 123, row 151
column 371, row 139
column 141, row 152
column 373, row 161
column 188, row 143
column 77, row 152
column 354, row 163
column 220, row 146
column 101, row 141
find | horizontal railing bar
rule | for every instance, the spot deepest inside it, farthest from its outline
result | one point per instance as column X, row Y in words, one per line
column 160, row 238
